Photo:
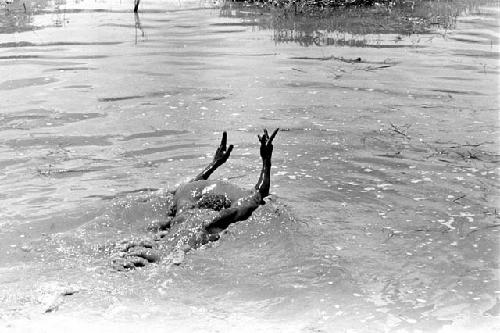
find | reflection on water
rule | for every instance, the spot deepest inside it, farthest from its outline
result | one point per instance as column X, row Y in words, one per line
column 355, row 27
column 138, row 27
column 17, row 15
column 15, row 18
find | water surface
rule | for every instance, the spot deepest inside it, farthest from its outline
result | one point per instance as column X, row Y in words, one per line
column 385, row 208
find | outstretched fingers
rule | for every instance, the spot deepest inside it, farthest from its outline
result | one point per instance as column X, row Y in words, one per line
column 266, row 139
column 263, row 139
column 273, row 135
column 266, row 144
column 223, row 142
column 226, row 154
column 223, row 145
column 223, row 151
column 220, row 157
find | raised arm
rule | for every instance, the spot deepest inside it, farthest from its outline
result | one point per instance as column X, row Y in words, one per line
column 221, row 155
column 245, row 206
column 266, row 152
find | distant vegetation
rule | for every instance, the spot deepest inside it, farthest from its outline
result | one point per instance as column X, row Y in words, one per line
column 348, row 22
column 320, row 3
column 315, row 4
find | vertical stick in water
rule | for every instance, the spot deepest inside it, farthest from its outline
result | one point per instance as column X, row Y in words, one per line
column 136, row 5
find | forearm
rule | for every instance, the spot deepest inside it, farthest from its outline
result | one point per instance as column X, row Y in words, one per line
column 221, row 155
column 241, row 211
column 264, row 183
column 205, row 174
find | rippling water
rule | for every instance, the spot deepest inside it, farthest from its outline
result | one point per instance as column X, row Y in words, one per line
column 385, row 172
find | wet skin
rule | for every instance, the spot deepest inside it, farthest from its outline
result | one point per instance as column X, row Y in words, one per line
column 201, row 209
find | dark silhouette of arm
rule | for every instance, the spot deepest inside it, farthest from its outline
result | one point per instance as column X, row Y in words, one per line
column 245, row 206
column 221, row 155
column 266, row 152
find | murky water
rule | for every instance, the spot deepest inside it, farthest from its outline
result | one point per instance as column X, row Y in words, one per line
column 384, row 216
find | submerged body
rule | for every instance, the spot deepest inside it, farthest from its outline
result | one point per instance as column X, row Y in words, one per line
column 196, row 194
column 200, row 210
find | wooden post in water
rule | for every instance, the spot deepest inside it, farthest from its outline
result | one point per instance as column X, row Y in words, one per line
column 136, row 5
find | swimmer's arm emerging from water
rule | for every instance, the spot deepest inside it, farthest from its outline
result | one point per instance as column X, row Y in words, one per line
column 221, row 155
column 245, row 206
column 266, row 152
